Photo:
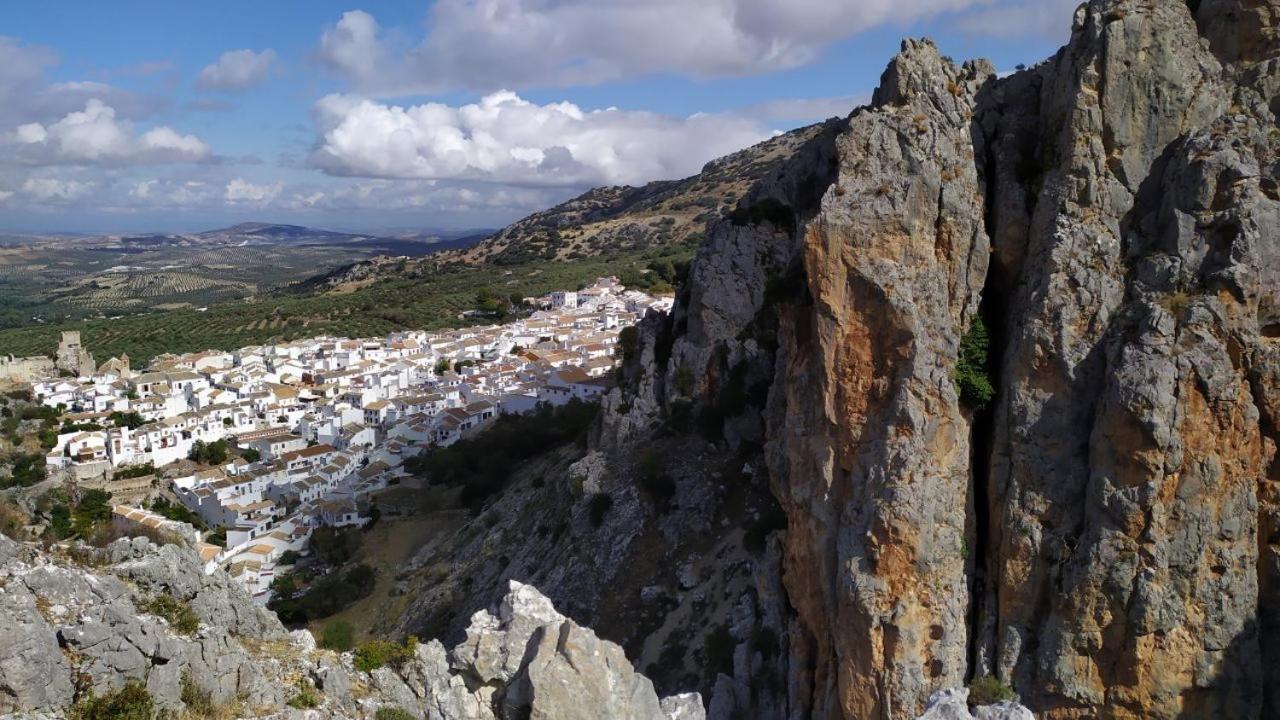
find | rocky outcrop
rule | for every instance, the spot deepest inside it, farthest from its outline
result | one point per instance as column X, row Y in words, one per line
column 81, row 625
column 1102, row 536
column 869, row 448
column 1129, row 461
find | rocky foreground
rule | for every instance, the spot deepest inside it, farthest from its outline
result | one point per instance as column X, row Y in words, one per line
column 81, row 624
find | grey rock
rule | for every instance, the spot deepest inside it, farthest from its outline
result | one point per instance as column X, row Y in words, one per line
column 685, row 706
column 34, row 674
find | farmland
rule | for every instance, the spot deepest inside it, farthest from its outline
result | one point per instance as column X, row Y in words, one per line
column 59, row 280
column 430, row 299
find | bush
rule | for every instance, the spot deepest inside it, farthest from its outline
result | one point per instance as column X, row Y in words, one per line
column 305, row 699
column 392, row 713
column 26, row 469
column 198, row 701
column 178, row 612
column 628, row 343
column 214, row 453
column 987, row 690
column 483, row 464
column 765, row 641
column 326, row 596
column 373, row 654
column 337, row 635
column 655, row 482
column 133, row 471
column 13, row 520
column 973, row 375
column 131, row 702
column 719, row 647
column 597, row 507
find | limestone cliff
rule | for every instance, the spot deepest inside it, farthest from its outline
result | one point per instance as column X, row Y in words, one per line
column 1102, row 536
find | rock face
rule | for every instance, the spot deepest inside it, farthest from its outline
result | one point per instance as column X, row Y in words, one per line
column 869, row 448
column 1104, row 535
column 72, row 630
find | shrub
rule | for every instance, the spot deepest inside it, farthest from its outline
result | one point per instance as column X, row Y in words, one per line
column 771, row 519
column 628, row 343
column 373, row 654
column 655, row 482
column 392, row 713
column 13, row 521
column 197, row 701
column 765, row 641
column 719, row 647
column 972, row 373
column 987, row 689
column 178, row 612
column 133, row 471
column 337, row 635
column 26, row 469
column 326, row 596
column 597, row 507
column 131, row 702
column 305, row 699
column 683, row 380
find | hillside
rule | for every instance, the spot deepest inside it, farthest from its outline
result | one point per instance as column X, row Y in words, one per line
column 629, row 219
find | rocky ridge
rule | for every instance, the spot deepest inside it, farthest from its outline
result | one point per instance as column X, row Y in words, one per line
column 77, row 623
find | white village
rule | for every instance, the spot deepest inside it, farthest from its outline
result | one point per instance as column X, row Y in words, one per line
column 320, row 425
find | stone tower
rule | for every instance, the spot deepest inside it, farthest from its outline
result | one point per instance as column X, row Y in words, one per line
column 72, row 357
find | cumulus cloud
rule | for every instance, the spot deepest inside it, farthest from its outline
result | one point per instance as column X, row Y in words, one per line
column 96, row 135
column 241, row 191
column 490, row 44
column 55, row 189
column 173, row 193
column 237, row 70
column 504, row 138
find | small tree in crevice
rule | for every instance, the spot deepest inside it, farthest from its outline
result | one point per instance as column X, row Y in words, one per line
column 973, row 367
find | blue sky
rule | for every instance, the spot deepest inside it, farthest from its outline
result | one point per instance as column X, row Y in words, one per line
column 142, row 116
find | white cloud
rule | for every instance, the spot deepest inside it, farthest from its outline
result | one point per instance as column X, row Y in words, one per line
column 504, row 138
column 241, row 191
column 95, row 135
column 5, row 195
column 237, row 70
column 173, row 192
column 55, row 189
column 490, row 44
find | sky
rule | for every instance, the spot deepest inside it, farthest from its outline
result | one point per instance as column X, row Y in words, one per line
column 155, row 116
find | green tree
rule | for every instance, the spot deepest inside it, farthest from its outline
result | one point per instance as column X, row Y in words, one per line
column 973, row 373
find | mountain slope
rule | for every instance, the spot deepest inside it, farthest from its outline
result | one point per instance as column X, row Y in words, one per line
column 621, row 219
